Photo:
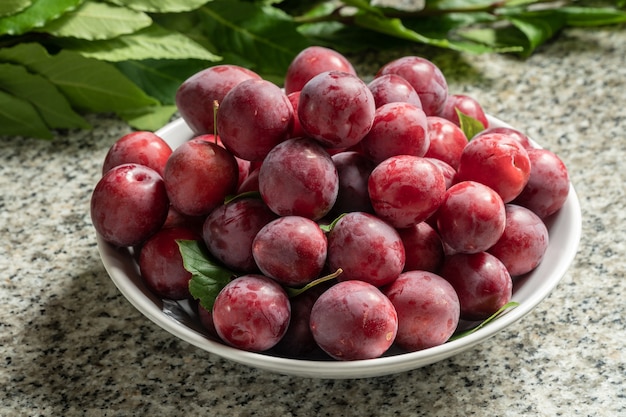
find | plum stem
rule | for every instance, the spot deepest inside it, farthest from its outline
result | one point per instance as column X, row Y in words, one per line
column 216, row 105
column 293, row 292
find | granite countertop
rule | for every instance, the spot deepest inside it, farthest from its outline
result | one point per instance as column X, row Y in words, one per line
column 72, row 345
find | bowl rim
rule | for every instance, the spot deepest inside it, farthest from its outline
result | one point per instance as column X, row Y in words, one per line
column 123, row 271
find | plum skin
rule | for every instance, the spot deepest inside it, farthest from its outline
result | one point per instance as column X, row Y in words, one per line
column 230, row 229
column 398, row 129
column 336, row 108
column 425, row 78
column 196, row 96
column 446, row 141
column 423, row 247
column 353, row 170
column 199, row 175
column 406, row 189
column 129, row 204
column 298, row 178
column 471, row 217
column 354, row 320
column 481, row 281
column 524, row 241
column 291, row 249
column 298, row 341
column 161, row 263
column 428, row 309
column 498, row 161
column 312, row 61
column 252, row 312
column 466, row 105
column 253, row 118
column 548, row 186
column 140, row 147
column 392, row 88
column 366, row 248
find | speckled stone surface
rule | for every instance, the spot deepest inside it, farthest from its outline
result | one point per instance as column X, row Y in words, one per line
column 72, row 345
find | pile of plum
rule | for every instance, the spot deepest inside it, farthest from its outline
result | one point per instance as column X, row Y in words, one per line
column 375, row 186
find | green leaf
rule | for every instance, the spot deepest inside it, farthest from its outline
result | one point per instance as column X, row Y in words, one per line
column 88, row 84
column 347, row 39
column 446, row 26
column 514, row 3
column 263, row 38
column 480, row 48
column 364, row 5
column 299, row 7
column 191, row 24
column 469, row 125
column 207, row 276
column 160, row 6
column 148, row 118
column 314, row 10
column 507, row 306
column 395, row 27
column 42, row 95
column 11, row 7
column 153, row 42
column 160, row 78
column 36, row 16
column 19, row 117
column 93, row 21
column 468, row 5
column 537, row 28
column 507, row 39
column 439, row 26
column 591, row 16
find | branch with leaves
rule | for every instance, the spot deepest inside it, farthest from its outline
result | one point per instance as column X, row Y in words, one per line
column 62, row 59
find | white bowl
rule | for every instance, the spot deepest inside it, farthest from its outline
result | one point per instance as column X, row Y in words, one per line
column 178, row 318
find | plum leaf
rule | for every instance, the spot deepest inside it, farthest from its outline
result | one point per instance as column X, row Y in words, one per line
column 19, row 117
column 399, row 28
column 592, row 16
column 208, row 277
column 160, row 6
column 538, row 29
column 153, row 42
column 11, row 7
column 36, row 15
column 500, row 312
column 93, row 21
column 88, row 84
column 148, row 118
column 262, row 38
column 469, row 125
column 50, row 104
column 160, row 78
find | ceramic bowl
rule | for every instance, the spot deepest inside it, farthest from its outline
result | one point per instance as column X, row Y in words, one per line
column 179, row 319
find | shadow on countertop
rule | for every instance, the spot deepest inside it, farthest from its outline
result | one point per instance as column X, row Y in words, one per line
column 91, row 353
